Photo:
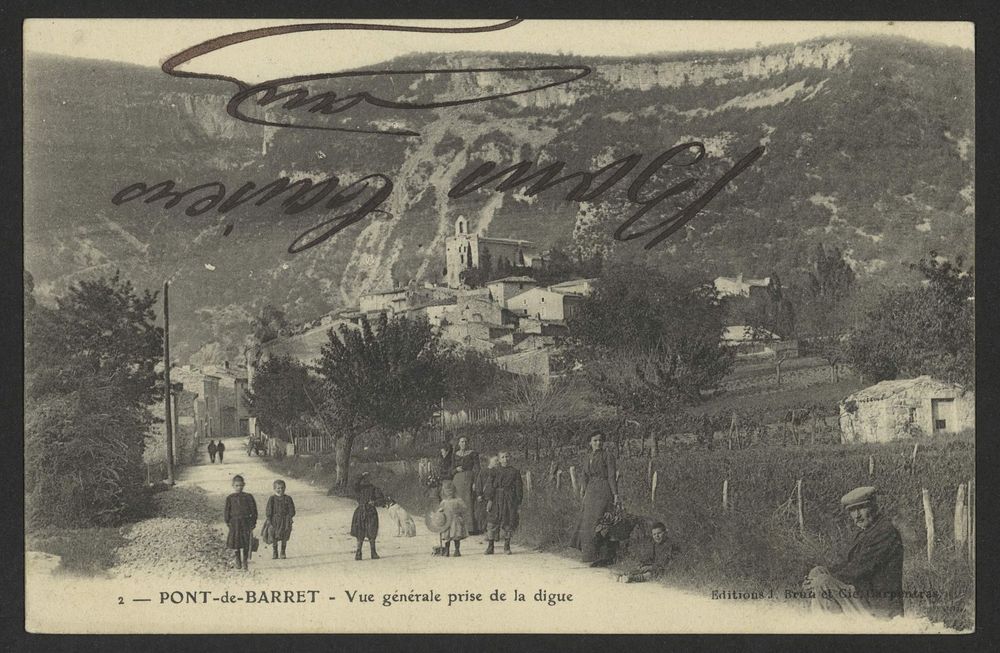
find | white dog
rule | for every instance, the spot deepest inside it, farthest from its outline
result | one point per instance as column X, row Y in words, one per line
column 404, row 522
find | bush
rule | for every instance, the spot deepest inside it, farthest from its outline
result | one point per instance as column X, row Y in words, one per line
column 83, row 463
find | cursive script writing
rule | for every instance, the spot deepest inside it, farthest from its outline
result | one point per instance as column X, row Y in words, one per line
column 302, row 195
column 328, row 102
column 584, row 191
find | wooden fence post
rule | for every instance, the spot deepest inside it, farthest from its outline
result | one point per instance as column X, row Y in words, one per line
column 527, row 481
column 649, row 471
column 725, row 495
column 913, row 459
column 552, row 471
column 961, row 516
column 798, row 498
column 652, row 493
column 928, row 523
column 618, row 475
column 559, row 479
column 871, row 466
column 572, row 479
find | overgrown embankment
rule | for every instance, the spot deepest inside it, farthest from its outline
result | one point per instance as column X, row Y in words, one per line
column 756, row 542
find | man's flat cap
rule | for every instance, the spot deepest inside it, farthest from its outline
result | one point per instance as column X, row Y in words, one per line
column 858, row 496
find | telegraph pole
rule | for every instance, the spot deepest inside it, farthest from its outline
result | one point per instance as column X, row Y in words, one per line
column 166, row 382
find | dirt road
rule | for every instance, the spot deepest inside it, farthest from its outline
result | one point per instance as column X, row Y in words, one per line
column 321, row 588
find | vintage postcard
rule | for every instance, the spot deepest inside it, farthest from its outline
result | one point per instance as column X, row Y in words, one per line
column 499, row 326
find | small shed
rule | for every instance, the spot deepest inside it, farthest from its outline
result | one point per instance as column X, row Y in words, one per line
column 905, row 408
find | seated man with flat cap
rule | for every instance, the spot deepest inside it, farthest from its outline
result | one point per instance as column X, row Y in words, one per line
column 869, row 580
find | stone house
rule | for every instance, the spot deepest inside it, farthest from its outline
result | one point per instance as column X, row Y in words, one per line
column 503, row 289
column 893, row 410
column 544, row 304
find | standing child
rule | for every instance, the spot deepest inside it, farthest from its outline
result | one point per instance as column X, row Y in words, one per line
column 241, row 517
column 221, row 449
column 457, row 514
column 211, row 450
column 364, row 523
column 279, row 512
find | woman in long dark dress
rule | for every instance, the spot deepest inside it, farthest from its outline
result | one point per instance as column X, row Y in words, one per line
column 364, row 523
column 240, row 515
column 466, row 470
column 599, row 496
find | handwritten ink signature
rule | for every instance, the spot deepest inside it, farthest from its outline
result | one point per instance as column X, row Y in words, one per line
column 544, row 178
column 328, row 103
column 304, row 194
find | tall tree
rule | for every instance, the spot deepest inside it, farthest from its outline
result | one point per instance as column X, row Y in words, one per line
column 824, row 316
column 285, row 396
column 472, row 377
column 636, row 308
column 389, row 376
column 650, row 345
column 91, row 375
column 929, row 329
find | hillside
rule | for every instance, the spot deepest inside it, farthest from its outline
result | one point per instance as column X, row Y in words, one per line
column 870, row 146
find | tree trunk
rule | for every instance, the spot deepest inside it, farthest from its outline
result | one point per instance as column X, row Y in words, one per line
column 343, row 465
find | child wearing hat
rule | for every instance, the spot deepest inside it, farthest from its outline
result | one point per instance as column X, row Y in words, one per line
column 364, row 522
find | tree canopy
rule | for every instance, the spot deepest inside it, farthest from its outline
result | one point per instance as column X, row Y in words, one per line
column 389, row 376
column 645, row 339
column 285, row 395
column 92, row 374
column 929, row 329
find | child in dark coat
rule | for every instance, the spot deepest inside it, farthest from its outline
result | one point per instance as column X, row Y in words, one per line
column 241, row 516
column 364, row 523
column 279, row 512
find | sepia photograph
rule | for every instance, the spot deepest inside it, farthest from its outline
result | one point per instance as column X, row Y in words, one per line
column 499, row 326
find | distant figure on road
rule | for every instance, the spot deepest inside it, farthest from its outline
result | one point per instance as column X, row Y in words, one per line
column 503, row 492
column 869, row 580
column 457, row 516
column 279, row 512
column 212, row 448
column 221, row 449
column 465, row 473
column 600, row 495
column 364, row 523
column 241, row 516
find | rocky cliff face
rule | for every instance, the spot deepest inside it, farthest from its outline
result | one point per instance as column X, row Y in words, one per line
column 883, row 132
